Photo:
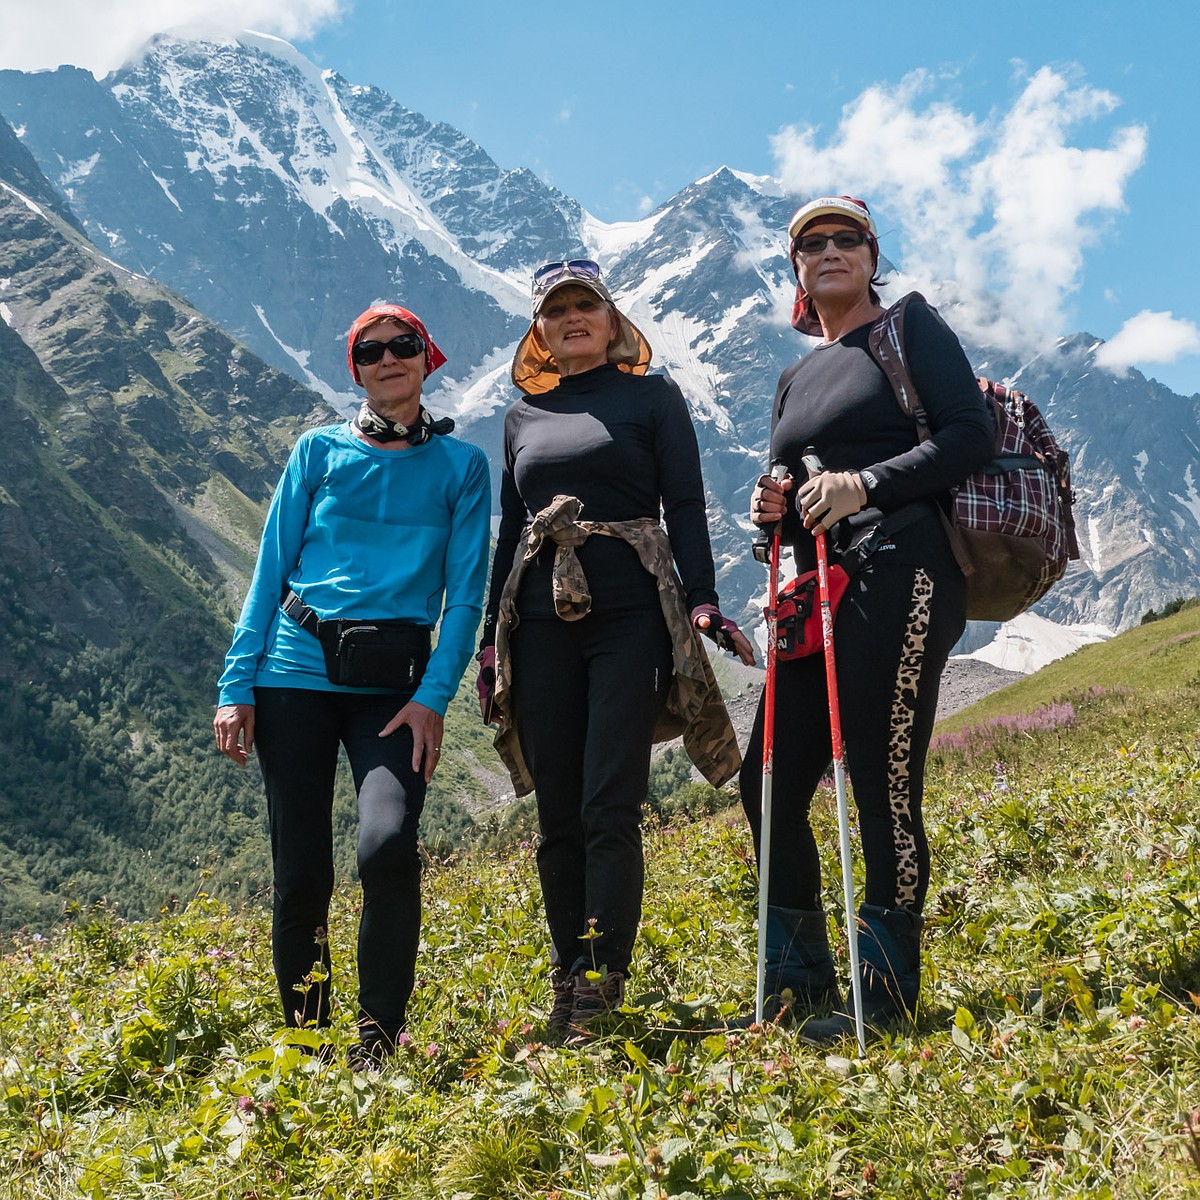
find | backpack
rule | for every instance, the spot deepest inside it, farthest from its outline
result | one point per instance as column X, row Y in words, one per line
column 1011, row 527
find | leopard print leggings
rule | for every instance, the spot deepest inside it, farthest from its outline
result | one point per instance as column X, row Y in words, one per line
column 895, row 629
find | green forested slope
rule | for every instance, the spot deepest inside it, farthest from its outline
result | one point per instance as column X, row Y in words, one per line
column 140, row 448
column 140, row 445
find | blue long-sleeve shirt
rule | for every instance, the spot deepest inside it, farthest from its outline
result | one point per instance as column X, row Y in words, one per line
column 358, row 531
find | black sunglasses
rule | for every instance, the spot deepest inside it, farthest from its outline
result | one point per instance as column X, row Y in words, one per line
column 844, row 239
column 403, row 345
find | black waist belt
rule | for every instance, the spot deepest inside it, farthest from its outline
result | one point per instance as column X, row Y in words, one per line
column 862, row 532
column 301, row 613
column 365, row 653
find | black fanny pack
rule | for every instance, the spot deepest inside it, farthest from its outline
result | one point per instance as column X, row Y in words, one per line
column 378, row 654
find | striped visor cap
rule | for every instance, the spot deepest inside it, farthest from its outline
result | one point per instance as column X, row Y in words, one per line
column 832, row 206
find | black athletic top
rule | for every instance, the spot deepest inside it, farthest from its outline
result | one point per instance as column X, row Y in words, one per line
column 625, row 446
column 838, row 400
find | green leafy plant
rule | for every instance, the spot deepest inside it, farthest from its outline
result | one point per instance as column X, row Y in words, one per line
column 1053, row 1053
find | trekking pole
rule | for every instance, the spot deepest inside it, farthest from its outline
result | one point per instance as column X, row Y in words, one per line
column 814, row 467
column 766, row 549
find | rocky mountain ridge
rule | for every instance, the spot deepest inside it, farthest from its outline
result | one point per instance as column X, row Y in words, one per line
column 142, row 440
column 281, row 199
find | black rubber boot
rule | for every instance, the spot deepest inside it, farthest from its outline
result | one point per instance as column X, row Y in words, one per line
column 800, row 972
column 889, row 953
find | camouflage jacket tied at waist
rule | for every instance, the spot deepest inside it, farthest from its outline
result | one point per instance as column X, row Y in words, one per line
column 694, row 708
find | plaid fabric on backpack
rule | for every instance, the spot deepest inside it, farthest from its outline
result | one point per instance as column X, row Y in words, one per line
column 1012, row 529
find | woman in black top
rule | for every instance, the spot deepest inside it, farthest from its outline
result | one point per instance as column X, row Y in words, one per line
column 897, row 623
column 587, row 692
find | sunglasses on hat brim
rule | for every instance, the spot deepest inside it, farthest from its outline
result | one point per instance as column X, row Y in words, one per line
column 404, row 345
column 551, row 272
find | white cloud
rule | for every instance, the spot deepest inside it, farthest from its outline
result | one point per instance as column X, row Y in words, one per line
column 102, row 38
column 1150, row 337
column 995, row 211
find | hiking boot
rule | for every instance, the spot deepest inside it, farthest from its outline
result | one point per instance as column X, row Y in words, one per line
column 593, row 1001
column 889, row 953
column 558, row 1024
column 800, row 975
column 370, row 1055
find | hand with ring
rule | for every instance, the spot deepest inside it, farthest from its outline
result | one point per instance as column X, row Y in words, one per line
column 426, row 726
column 768, row 502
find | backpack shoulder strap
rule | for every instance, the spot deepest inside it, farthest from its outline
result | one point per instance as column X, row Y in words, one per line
column 886, row 344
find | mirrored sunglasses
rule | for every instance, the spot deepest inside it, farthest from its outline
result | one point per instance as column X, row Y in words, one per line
column 844, row 239
column 404, row 345
column 580, row 268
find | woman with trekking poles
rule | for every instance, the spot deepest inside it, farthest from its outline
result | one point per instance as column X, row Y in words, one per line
column 590, row 651
column 378, row 528
column 879, row 494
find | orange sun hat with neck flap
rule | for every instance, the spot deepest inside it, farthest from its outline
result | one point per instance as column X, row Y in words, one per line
column 534, row 370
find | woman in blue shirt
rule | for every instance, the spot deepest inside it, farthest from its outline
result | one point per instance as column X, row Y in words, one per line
column 383, row 519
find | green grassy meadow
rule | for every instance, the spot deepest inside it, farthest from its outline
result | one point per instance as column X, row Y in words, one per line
column 1056, row 1052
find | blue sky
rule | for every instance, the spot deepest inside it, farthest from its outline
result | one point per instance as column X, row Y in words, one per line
column 622, row 104
column 1044, row 150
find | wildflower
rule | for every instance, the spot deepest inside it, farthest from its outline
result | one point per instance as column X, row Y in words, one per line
column 431, row 1051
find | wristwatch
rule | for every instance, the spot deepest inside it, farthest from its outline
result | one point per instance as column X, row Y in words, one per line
column 869, row 482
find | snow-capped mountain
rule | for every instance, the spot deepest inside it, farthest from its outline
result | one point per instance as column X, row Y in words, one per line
column 281, row 199
column 1028, row 642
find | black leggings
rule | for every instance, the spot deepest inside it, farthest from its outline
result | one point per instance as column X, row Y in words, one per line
column 587, row 695
column 895, row 629
column 297, row 733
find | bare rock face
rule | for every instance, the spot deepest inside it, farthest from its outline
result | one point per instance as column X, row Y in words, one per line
column 281, row 199
column 966, row 680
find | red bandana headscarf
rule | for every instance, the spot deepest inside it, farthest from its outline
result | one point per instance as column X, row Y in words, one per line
column 381, row 312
